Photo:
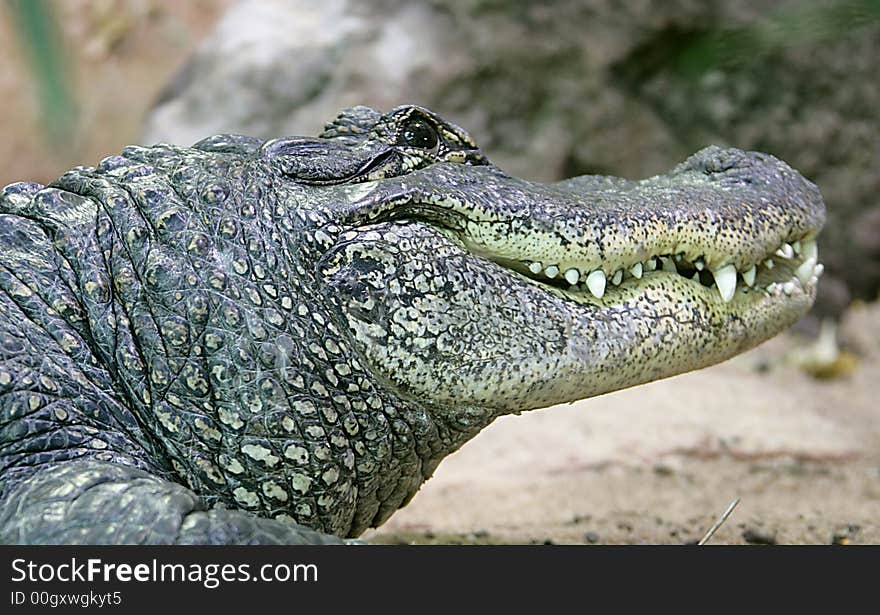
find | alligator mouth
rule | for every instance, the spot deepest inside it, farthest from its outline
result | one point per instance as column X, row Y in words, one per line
column 735, row 226
column 724, row 227
column 793, row 267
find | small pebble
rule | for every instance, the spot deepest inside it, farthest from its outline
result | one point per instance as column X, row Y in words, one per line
column 661, row 469
column 754, row 536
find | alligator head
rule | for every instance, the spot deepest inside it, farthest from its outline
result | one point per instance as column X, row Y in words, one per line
column 461, row 285
column 304, row 328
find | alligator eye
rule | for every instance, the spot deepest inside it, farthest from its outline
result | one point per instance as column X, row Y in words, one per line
column 418, row 133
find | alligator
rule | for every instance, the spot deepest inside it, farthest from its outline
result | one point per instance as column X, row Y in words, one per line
column 277, row 342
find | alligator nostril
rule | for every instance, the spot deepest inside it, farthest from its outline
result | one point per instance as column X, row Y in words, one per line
column 744, row 165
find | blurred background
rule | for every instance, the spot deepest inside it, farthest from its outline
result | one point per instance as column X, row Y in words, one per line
column 549, row 88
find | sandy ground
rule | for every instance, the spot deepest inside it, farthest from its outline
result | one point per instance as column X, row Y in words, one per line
column 660, row 462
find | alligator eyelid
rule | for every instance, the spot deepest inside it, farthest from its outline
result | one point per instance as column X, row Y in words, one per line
column 365, row 169
column 374, row 163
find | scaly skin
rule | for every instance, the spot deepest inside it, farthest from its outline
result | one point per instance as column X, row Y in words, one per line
column 278, row 342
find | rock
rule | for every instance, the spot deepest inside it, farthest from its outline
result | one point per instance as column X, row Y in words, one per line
column 867, row 231
column 569, row 88
column 823, row 358
column 860, row 329
column 845, row 535
column 529, row 81
column 758, row 536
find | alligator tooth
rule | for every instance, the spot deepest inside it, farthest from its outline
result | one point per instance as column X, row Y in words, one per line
column 679, row 256
column 749, row 276
column 636, row 270
column 699, row 264
column 725, row 278
column 788, row 288
column 785, row 251
column 536, row 267
column 552, row 271
column 819, row 270
column 651, row 264
column 775, row 289
column 596, row 283
column 618, row 277
column 805, row 271
column 696, row 276
column 809, row 249
column 769, row 263
column 797, row 247
column 668, row 264
column 572, row 276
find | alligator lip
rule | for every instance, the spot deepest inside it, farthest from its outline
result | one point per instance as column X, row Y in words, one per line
column 791, row 268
